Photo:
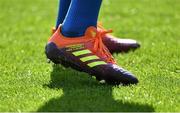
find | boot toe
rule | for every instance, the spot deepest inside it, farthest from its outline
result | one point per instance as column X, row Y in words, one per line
column 116, row 75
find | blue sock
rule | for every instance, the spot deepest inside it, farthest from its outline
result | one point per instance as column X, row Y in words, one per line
column 81, row 15
column 63, row 9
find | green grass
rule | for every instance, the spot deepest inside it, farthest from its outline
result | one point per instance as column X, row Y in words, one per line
column 28, row 83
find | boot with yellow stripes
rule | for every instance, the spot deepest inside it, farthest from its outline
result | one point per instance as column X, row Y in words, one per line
column 88, row 54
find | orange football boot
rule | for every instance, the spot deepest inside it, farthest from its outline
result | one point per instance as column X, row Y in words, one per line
column 88, row 54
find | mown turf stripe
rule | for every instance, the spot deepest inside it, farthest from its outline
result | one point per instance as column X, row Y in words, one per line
column 97, row 63
column 81, row 52
column 88, row 58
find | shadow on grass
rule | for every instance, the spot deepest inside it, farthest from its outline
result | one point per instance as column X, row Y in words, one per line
column 82, row 93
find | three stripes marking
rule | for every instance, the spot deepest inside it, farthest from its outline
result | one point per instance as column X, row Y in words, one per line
column 88, row 58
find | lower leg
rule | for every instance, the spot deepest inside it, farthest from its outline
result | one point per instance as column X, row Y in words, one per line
column 62, row 11
column 81, row 15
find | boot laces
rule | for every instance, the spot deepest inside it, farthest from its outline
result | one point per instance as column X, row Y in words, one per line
column 100, row 47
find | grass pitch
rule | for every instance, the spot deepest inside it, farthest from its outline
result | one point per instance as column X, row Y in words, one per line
column 28, row 83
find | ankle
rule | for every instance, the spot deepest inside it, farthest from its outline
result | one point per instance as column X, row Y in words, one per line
column 70, row 33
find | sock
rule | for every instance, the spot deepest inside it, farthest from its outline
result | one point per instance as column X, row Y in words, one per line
column 63, row 9
column 81, row 15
